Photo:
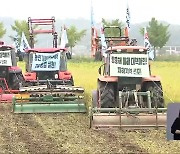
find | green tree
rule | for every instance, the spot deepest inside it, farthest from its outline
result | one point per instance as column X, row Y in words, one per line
column 112, row 31
column 158, row 33
column 74, row 36
column 22, row 26
column 2, row 30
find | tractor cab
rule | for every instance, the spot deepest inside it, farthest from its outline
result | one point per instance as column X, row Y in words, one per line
column 111, row 40
column 47, row 65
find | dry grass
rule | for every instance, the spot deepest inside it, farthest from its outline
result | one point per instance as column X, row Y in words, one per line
column 170, row 75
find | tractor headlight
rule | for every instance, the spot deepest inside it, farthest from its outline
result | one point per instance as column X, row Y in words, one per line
column 141, row 50
column 56, row 76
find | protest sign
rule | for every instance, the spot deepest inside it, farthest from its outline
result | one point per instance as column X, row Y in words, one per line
column 5, row 58
column 46, row 61
column 129, row 65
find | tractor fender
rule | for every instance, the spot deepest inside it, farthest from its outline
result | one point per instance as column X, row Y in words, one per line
column 151, row 78
column 30, row 76
column 108, row 78
column 65, row 75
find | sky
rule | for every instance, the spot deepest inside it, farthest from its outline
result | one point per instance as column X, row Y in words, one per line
column 140, row 10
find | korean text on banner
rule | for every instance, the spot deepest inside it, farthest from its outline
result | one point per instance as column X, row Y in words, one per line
column 46, row 61
column 5, row 58
column 129, row 65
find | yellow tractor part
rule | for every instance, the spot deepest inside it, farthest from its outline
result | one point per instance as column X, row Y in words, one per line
column 22, row 97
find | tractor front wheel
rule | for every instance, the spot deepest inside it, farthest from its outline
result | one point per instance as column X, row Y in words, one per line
column 156, row 94
column 107, row 94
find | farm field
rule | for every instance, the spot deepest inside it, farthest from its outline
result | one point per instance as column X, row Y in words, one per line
column 70, row 133
column 86, row 74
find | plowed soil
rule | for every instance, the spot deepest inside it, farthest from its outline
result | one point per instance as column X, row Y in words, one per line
column 70, row 133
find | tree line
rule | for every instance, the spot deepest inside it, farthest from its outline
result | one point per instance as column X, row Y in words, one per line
column 74, row 35
column 158, row 32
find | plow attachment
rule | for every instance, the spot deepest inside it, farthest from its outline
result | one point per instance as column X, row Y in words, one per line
column 127, row 118
column 44, row 100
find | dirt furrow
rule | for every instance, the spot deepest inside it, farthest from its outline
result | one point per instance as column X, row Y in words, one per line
column 28, row 131
column 75, row 134
column 9, row 140
column 77, row 137
column 32, row 134
column 154, row 141
column 70, row 133
column 119, row 138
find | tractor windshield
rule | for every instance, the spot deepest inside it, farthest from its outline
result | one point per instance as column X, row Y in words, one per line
column 47, row 61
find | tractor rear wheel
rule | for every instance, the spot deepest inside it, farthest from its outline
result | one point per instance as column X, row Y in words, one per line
column 156, row 94
column 107, row 94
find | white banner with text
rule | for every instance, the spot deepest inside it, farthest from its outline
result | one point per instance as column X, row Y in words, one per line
column 129, row 65
column 5, row 58
column 46, row 61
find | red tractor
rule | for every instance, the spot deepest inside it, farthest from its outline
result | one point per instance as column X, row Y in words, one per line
column 44, row 64
column 51, row 86
column 47, row 65
column 11, row 77
column 127, row 94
